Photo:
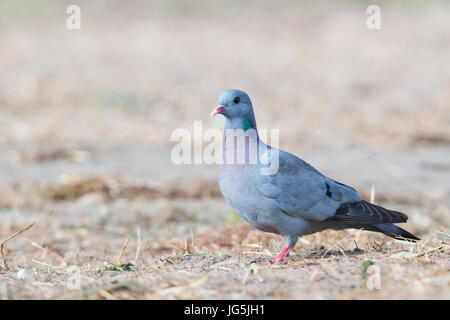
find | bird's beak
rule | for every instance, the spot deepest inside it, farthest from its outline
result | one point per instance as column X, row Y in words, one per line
column 217, row 110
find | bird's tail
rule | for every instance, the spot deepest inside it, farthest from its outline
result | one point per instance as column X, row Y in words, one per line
column 394, row 231
column 368, row 216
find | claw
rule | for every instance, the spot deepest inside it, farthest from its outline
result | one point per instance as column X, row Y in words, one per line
column 283, row 254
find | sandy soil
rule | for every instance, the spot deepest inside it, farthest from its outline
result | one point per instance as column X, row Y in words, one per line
column 85, row 129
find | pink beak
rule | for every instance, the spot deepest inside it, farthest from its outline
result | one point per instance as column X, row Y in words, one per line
column 217, row 110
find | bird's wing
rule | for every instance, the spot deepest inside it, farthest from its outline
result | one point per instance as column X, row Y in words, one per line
column 300, row 190
column 363, row 212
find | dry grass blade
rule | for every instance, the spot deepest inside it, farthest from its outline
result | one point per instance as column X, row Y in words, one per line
column 64, row 269
column 121, row 252
column 107, row 295
column 337, row 244
column 138, row 249
column 193, row 285
column 44, row 250
column 9, row 238
column 372, row 194
column 445, row 236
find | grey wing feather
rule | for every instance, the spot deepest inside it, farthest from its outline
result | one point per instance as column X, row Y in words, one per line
column 300, row 190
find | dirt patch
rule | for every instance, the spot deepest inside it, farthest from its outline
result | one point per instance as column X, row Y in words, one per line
column 111, row 189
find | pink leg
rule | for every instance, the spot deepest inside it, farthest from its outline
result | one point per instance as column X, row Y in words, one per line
column 283, row 254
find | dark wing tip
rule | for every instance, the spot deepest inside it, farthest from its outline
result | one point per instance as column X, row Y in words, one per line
column 364, row 212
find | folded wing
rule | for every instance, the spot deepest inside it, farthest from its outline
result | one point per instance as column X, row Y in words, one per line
column 300, row 190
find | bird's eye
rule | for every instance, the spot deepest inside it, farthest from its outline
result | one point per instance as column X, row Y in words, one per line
column 236, row 100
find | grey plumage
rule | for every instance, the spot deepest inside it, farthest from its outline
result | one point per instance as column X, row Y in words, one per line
column 297, row 199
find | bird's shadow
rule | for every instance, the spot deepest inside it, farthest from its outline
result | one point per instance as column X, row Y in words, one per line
column 317, row 254
column 327, row 253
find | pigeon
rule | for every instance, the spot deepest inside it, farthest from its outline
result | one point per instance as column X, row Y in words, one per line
column 295, row 199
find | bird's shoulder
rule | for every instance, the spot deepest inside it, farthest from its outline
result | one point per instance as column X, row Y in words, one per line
column 289, row 167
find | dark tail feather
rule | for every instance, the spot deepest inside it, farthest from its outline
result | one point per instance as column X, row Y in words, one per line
column 368, row 216
column 394, row 231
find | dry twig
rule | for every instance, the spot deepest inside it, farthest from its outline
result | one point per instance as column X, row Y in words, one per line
column 9, row 238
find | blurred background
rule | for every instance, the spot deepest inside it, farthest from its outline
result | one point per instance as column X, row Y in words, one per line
column 86, row 115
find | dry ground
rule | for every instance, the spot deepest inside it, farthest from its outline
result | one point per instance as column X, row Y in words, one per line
column 184, row 241
column 85, row 124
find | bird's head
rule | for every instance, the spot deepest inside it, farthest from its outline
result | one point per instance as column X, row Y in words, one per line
column 234, row 104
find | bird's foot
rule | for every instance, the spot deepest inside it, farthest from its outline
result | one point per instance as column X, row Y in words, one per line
column 283, row 254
